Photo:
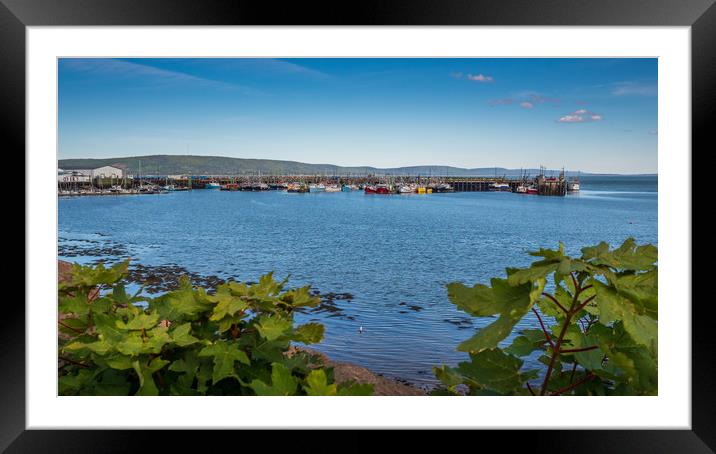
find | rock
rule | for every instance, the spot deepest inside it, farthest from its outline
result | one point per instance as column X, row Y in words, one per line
column 382, row 386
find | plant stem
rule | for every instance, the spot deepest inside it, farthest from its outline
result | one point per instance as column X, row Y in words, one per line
column 554, row 300
column 530, row 388
column 577, row 350
column 544, row 330
column 556, row 349
column 73, row 362
column 585, row 302
column 70, row 328
column 588, row 377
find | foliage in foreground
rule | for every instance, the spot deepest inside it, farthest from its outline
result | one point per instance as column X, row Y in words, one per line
column 598, row 326
column 187, row 342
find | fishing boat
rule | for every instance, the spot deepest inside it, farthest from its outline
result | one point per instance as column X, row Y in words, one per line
column 406, row 189
column 230, row 187
column 521, row 189
column 333, row 188
column 260, row 187
column 500, row 187
column 346, row 188
column 297, row 188
column 212, row 185
column 317, row 188
column 532, row 190
column 443, row 187
column 573, row 186
column 378, row 189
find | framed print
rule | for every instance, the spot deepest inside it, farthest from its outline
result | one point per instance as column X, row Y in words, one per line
column 434, row 217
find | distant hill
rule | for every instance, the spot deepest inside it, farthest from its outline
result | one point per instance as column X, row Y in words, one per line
column 219, row 165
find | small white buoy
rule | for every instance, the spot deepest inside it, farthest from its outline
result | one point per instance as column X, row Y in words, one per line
column 360, row 330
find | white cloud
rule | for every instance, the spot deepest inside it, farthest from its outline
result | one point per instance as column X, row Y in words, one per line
column 571, row 119
column 480, row 78
column 580, row 116
column 526, row 105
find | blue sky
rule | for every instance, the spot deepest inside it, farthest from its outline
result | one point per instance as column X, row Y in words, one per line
column 594, row 115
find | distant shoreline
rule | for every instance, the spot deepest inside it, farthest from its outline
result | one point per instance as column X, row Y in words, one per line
column 223, row 165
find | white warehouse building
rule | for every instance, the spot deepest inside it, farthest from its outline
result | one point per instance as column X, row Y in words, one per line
column 99, row 172
column 107, row 172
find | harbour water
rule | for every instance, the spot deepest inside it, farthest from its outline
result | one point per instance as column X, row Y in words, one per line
column 392, row 254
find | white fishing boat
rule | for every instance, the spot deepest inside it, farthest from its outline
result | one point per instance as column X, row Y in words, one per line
column 317, row 187
column 333, row 188
column 500, row 187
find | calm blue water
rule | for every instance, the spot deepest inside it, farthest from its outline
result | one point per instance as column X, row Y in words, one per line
column 384, row 250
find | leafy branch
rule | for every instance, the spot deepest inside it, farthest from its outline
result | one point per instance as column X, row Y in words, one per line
column 595, row 329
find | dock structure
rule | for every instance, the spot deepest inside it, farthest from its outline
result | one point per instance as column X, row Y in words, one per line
column 542, row 184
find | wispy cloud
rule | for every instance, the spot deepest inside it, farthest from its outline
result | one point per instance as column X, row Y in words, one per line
column 527, row 105
column 480, row 78
column 152, row 74
column 580, row 116
column 634, row 88
column 276, row 65
column 473, row 77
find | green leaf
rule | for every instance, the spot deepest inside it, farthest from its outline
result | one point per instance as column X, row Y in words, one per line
column 478, row 300
column 637, row 320
column 529, row 341
column 628, row 256
column 99, row 347
column 182, row 303
column 300, row 297
column 107, row 329
column 317, row 384
column 226, row 305
column 182, row 337
column 511, row 302
column 309, row 333
column 147, row 387
column 141, row 321
column 111, row 383
column 494, row 370
column 272, row 328
column 449, row 376
column 225, row 355
column 74, row 304
column 355, row 389
column 73, row 326
column 120, row 362
column 135, row 344
column 282, row 383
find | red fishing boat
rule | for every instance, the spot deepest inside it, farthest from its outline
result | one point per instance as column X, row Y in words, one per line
column 378, row 189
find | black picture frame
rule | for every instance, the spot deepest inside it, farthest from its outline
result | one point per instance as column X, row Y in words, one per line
column 16, row 15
